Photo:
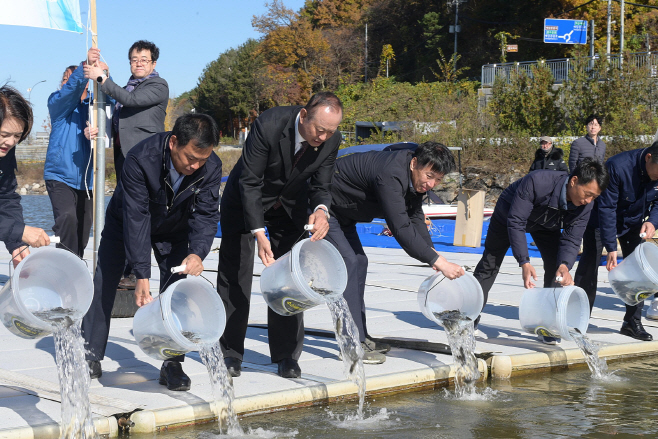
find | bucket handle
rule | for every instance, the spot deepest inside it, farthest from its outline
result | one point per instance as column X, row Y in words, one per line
column 307, row 227
column 11, row 264
column 172, row 271
column 431, row 288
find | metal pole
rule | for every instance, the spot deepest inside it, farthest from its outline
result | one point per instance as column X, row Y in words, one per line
column 98, row 145
column 592, row 38
column 29, row 91
column 621, row 32
column 454, row 56
column 366, row 64
column 607, row 44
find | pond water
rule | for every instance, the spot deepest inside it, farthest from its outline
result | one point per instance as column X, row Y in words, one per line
column 560, row 404
column 38, row 212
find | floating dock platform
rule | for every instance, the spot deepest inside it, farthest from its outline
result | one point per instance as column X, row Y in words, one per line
column 128, row 392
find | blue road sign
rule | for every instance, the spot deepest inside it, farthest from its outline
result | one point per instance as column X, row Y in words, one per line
column 565, row 31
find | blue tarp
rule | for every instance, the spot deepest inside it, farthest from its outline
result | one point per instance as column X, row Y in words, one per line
column 442, row 233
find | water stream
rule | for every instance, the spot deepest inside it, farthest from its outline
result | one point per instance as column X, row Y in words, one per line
column 590, row 350
column 459, row 330
column 347, row 336
column 222, row 389
column 74, row 378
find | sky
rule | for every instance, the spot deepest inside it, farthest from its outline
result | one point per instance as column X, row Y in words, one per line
column 189, row 33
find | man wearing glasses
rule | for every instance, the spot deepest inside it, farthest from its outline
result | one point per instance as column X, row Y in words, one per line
column 589, row 146
column 140, row 107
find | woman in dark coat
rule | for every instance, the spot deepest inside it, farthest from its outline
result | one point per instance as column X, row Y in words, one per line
column 15, row 125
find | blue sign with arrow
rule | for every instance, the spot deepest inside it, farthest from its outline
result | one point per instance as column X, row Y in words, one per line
column 565, row 31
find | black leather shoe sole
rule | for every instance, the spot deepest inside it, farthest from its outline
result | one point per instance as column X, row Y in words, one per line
column 234, row 366
column 180, row 388
column 289, row 368
column 95, row 370
column 641, row 336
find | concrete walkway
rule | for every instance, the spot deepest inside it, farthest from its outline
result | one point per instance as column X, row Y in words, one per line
column 29, row 391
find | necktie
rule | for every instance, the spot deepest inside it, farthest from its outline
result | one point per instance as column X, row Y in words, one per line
column 300, row 153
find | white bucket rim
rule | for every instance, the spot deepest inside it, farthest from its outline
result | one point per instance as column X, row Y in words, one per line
column 15, row 280
column 561, row 318
column 165, row 303
column 437, row 278
column 299, row 280
column 644, row 263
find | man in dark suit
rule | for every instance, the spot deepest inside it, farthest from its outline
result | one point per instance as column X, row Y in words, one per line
column 389, row 185
column 167, row 200
column 284, row 171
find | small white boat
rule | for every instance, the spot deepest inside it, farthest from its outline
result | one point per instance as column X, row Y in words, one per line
column 448, row 211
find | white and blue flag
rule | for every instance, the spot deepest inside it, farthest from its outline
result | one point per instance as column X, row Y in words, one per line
column 51, row 14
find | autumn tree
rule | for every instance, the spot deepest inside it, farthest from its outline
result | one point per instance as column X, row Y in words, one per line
column 291, row 41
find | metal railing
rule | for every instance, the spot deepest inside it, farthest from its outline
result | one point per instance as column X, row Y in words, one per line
column 560, row 68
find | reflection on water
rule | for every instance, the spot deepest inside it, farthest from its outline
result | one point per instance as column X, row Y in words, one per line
column 38, row 212
column 556, row 405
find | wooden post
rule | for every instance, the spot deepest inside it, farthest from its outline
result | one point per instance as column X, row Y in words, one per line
column 470, row 215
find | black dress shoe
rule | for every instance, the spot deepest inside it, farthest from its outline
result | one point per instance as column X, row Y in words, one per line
column 234, row 366
column 377, row 346
column 289, row 368
column 173, row 377
column 635, row 329
column 95, row 370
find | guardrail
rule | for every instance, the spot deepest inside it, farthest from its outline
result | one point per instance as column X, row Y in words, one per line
column 560, row 68
column 35, row 153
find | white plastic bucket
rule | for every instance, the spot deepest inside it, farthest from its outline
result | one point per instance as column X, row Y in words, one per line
column 292, row 283
column 438, row 294
column 551, row 312
column 635, row 278
column 48, row 281
column 187, row 315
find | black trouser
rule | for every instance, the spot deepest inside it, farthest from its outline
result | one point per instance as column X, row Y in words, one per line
column 119, row 160
column 588, row 267
column 109, row 268
column 496, row 245
column 234, row 277
column 347, row 241
column 73, row 210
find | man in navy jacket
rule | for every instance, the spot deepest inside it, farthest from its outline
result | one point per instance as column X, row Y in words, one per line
column 621, row 213
column 389, row 185
column 542, row 203
column 167, row 200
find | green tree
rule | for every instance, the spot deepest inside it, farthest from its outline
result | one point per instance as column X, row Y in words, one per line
column 231, row 87
column 528, row 104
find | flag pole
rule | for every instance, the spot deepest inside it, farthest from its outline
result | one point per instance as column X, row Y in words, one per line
column 98, row 143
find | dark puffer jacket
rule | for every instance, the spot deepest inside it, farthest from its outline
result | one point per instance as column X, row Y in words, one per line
column 551, row 161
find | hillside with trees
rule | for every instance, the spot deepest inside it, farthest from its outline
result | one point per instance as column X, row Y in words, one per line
column 408, row 71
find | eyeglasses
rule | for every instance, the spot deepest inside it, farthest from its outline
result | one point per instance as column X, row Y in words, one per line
column 135, row 61
column 593, row 124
